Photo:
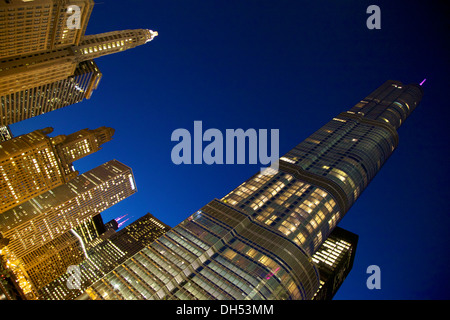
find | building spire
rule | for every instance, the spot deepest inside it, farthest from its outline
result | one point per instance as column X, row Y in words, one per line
column 152, row 36
column 98, row 45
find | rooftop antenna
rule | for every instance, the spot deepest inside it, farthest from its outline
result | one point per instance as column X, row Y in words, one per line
column 120, row 224
column 120, row 218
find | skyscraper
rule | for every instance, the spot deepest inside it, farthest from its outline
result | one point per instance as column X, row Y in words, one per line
column 33, row 227
column 45, row 61
column 34, row 163
column 105, row 253
column 39, row 220
column 139, row 234
column 257, row 242
column 39, row 25
column 51, row 260
column 334, row 259
column 39, row 69
column 112, row 224
column 35, row 101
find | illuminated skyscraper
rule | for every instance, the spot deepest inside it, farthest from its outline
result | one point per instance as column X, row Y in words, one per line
column 39, row 69
column 32, row 102
column 39, row 220
column 81, row 143
column 45, row 60
column 90, row 229
column 334, row 259
column 258, row 241
column 34, row 163
column 113, row 224
column 51, row 260
column 40, row 25
column 105, row 253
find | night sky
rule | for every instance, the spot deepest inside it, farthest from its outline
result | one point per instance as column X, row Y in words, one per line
column 287, row 65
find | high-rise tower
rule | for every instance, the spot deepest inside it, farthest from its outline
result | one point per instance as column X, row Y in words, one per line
column 334, row 259
column 44, row 56
column 40, row 25
column 31, row 102
column 34, row 70
column 41, row 219
column 105, row 253
column 51, row 260
column 45, row 228
column 82, row 143
column 257, row 242
column 34, row 163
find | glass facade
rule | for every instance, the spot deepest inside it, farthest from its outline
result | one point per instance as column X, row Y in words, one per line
column 258, row 241
column 217, row 253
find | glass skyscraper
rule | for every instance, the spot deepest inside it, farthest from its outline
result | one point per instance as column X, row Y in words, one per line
column 257, row 242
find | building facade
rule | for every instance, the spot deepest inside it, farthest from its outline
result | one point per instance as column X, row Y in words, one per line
column 5, row 133
column 257, row 242
column 90, row 229
column 35, row 101
column 105, row 253
column 43, row 218
column 34, row 163
column 334, row 259
column 40, row 25
column 33, row 227
column 39, row 69
column 51, row 260
column 46, row 59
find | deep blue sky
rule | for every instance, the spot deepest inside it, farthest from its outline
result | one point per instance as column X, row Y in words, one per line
column 287, row 65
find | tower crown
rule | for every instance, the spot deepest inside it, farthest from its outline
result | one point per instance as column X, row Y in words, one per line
column 98, row 45
column 152, row 35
